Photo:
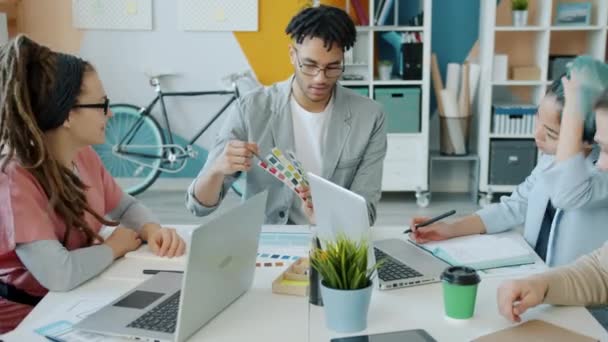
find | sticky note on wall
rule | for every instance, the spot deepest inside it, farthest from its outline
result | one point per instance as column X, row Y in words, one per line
column 131, row 7
column 220, row 14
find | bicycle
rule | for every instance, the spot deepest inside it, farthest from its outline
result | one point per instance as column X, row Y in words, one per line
column 137, row 150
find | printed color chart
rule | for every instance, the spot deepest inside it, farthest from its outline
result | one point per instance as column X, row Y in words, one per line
column 282, row 248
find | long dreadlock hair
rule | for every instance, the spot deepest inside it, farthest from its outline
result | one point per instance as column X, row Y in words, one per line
column 331, row 24
column 27, row 79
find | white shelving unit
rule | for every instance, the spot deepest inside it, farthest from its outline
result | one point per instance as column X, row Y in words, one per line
column 406, row 163
column 529, row 45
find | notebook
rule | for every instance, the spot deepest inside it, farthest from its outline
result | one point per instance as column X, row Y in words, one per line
column 480, row 251
column 533, row 331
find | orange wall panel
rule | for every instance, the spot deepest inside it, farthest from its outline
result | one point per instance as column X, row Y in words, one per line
column 50, row 23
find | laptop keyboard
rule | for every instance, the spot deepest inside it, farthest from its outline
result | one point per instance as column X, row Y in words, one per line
column 162, row 318
column 392, row 269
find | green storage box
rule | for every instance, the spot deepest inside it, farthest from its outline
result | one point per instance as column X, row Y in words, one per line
column 401, row 107
column 361, row 90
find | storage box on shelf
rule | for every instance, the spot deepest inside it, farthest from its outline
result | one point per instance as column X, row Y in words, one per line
column 511, row 160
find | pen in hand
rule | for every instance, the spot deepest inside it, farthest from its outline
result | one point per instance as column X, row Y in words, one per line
column 431, row 221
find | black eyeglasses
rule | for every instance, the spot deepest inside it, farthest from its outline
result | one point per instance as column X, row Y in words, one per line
column 105, row 105
column 314, row 70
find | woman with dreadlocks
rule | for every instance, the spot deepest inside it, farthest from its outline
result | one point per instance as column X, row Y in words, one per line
column 334, row 132
column 54, row 190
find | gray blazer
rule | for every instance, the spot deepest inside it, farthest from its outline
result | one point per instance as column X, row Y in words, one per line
column 353, row 153
column 574, row 231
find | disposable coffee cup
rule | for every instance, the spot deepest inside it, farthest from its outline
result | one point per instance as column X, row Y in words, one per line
column 459, row 291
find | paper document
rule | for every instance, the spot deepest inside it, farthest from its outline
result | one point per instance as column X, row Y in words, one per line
column 71, row 313
column 63, row 331
column 280, row 245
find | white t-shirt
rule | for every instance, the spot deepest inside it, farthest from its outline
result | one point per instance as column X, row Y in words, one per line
column 310, row 130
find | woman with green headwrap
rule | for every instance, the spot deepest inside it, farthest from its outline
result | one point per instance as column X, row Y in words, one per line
column 576, row 183
column 557, row 236
column 576, row 186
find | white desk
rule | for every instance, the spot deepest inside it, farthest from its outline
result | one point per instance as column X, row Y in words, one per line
column 262, row 316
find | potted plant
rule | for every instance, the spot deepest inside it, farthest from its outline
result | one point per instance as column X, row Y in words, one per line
column 519, row 12
column 346, row 285
column 385, row 69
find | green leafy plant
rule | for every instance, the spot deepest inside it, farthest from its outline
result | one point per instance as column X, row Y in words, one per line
column 519, row 5
column 343, row 264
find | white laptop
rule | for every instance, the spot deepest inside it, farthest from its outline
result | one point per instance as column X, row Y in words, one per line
column 338, row 210
column 173, row 306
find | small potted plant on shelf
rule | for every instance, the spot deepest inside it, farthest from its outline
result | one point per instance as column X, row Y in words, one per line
column 346, row 285
column 519, row 12
column 385, row 69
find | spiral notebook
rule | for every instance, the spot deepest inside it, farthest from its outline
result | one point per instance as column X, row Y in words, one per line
column 480, row 251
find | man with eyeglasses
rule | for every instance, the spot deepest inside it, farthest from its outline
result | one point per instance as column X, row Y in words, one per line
column 333, row 131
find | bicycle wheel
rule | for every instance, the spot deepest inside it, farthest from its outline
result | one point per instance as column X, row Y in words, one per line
column 133, row 173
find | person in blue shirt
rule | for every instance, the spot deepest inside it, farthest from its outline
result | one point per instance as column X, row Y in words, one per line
column 558, row 235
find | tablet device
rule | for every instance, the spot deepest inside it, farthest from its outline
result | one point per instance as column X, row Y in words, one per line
column 417, row 335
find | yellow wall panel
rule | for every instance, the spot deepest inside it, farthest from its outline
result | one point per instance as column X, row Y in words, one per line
column 267, row 49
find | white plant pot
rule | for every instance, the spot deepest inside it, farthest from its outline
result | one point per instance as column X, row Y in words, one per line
column 384, row 72
column 520, row 18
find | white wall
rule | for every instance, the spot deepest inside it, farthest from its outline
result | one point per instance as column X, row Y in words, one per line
column 201, row 59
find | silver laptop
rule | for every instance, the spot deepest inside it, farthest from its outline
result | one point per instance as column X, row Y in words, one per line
column 340, row 210
column 173, row 306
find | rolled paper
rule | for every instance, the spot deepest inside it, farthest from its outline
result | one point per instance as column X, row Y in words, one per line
column 474, row 72
column 453, row 78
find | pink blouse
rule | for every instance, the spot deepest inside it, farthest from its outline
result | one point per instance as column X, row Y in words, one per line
column 25, row 216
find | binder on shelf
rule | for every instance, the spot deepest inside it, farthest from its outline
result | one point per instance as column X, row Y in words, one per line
column 386, row 9
column 417, row 20
column 411, row 54
column 361, row 13
column 513, row 119
column 501, row 68
column 378, row 11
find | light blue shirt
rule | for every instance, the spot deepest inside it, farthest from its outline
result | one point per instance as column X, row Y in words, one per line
column 576, row 230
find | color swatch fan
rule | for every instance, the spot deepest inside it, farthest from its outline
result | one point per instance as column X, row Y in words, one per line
column 286, row 168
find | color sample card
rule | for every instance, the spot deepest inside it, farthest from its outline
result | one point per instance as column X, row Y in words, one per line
column 298, row 165
column 285, row 168
column 271, row 169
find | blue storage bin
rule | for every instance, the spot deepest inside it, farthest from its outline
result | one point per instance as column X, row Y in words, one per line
column 402, row 108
